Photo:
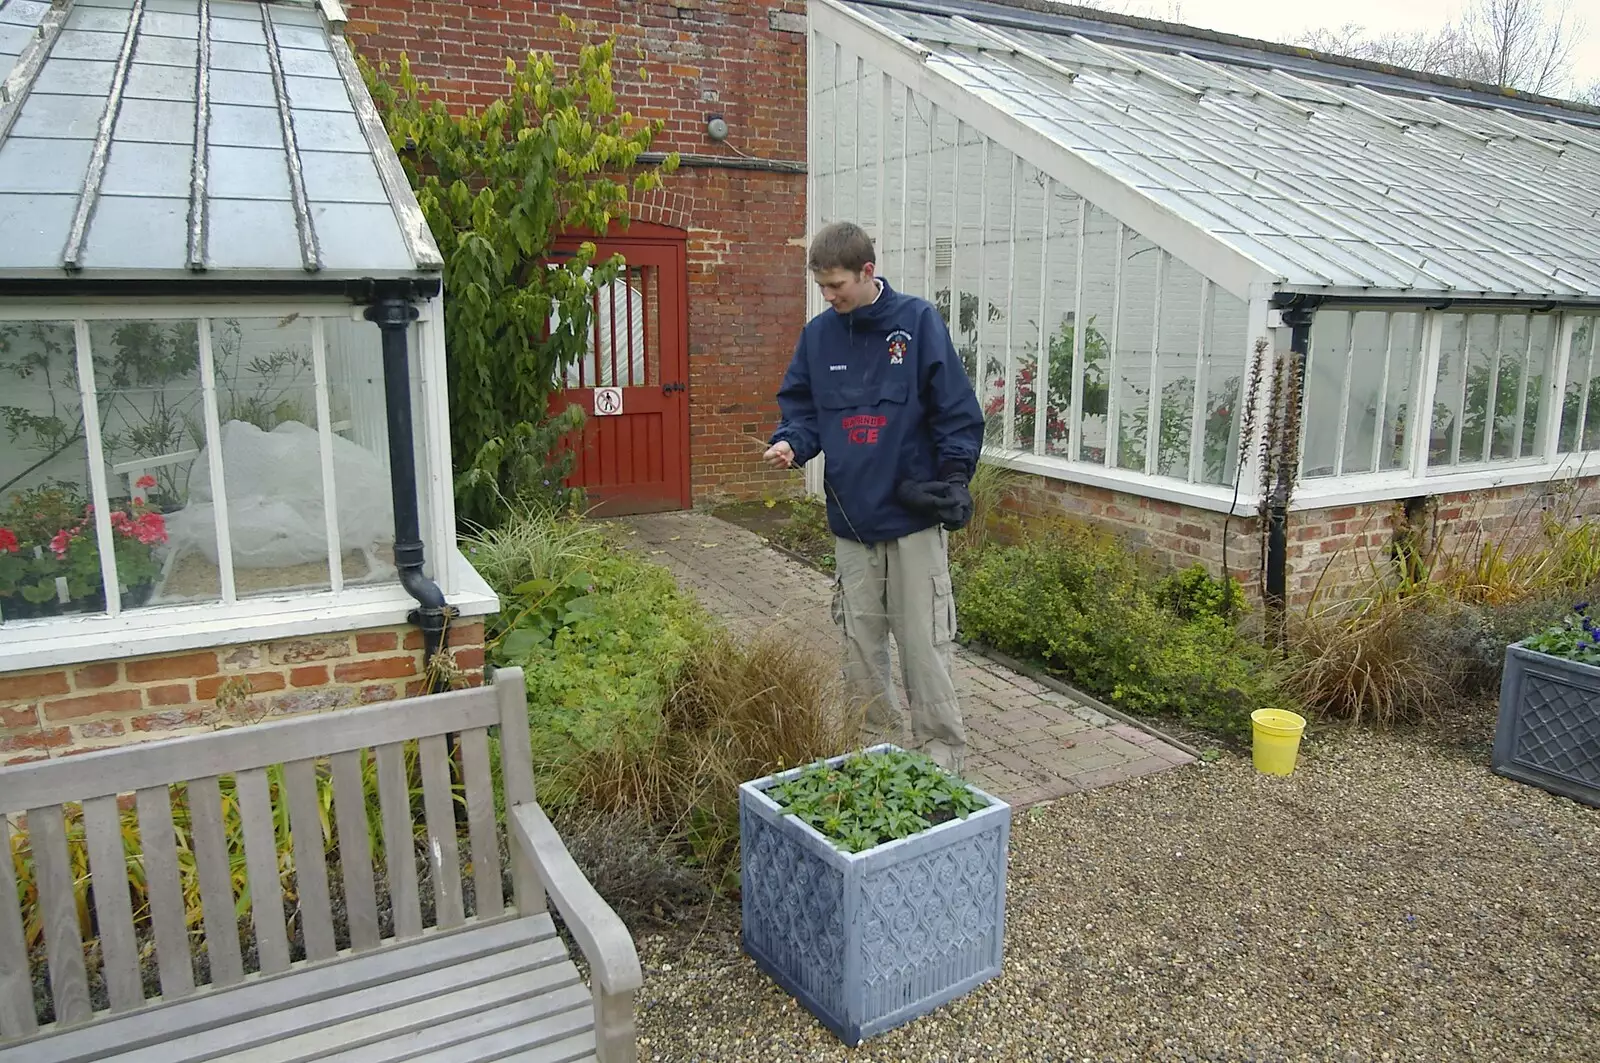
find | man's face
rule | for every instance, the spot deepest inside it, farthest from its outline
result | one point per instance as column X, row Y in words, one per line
column 845, row 291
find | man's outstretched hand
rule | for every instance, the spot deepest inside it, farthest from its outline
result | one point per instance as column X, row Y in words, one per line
column 780, row 455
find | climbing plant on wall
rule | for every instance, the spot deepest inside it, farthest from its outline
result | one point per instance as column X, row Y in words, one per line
column 498, row 187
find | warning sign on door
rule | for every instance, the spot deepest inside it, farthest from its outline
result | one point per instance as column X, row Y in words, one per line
column 607, row 402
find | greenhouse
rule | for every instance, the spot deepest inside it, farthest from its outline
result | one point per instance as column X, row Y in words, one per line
column 221, row 341
column 1113, row 214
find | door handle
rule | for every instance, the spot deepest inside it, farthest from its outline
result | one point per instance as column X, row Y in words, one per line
column 667, row 389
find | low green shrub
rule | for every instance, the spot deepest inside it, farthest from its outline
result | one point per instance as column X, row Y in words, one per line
column 872, row 798
column 1079, row 603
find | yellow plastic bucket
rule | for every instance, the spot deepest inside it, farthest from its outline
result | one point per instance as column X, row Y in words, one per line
column 1275, row 740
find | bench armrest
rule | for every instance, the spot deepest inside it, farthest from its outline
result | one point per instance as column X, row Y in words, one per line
column 601, row 934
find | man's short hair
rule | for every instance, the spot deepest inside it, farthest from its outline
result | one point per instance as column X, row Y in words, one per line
column 841, row 245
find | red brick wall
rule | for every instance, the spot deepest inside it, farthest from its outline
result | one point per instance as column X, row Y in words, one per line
column 51, row 711
column 745, row 229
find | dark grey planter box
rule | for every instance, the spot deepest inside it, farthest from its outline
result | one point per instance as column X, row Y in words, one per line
column 869, row 941
column 1549, row 729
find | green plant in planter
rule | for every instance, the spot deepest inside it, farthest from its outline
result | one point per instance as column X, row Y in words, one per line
column 1577, row 638
column 49, row 534
column 875, row 797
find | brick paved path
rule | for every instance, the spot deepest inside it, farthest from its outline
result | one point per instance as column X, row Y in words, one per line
column 1026, row 742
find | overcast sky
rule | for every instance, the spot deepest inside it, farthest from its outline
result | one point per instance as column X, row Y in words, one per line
column 1283, row 20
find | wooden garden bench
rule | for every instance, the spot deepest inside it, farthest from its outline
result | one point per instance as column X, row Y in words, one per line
column 495, row 983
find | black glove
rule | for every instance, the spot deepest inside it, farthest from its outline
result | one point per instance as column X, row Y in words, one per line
column 949, row 501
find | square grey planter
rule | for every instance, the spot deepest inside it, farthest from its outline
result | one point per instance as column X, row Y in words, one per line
column 869, row 941
column 1549, row 727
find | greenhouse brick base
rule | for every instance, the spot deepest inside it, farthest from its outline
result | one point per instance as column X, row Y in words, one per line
column 58, row 711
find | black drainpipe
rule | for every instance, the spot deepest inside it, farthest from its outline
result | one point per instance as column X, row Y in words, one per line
column 393, row 315
column 1298, row 318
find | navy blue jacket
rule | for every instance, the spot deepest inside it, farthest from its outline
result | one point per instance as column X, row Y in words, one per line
column 882, row 394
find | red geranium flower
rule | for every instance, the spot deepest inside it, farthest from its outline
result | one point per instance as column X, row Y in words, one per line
column 146, row 481
column 8, row 541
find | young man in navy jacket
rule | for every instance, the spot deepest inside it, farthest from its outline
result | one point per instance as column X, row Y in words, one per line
column 877, row 388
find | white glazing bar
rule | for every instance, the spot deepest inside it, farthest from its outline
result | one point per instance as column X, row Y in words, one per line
column 1424, row 386
column 330, row 505
column 855, row 127
column 881, row 215
column 219, row 489
column 1009, row 438
column 955, row 236
column 1202, row 388
column 88, row 397
column 983, row 272
column 905, row 188
column 1074, row 440
column 1555, row 386
column 1340, row 440
column 1152, row 423
column 1522, row 393
column 833, row 129
column 933, row 200
column 1461, row 395
column 1588, row 379
column 1041, row 381
column 813, row 207
column 1380, row 426
column 1113, row 382
column 1494, row 389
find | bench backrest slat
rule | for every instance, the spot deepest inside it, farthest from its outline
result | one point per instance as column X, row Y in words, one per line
column 481, row 819
column 16, row 982
column 164, row 887
column 69, row 981
column 216, row 881
column 355, row 851
column 261, row 869
column 108, row 868
column 444, row 857
column 190, row 833
column 310, row 860
column 394, row 798
column 56, row 782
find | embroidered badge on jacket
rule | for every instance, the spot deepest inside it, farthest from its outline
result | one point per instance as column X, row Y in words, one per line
column 899, row 343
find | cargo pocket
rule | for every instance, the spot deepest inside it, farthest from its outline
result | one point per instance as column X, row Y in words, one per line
column 944, row 610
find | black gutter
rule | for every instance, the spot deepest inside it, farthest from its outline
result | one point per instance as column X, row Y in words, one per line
column 199, row 285
column 692, row 161
column 393, row 313
column 1540, row 304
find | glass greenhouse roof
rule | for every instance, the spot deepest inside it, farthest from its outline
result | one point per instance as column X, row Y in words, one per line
column 194, row 138
column 1331, row 178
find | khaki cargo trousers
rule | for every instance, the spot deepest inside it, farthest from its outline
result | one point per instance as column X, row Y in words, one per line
column 902, row 586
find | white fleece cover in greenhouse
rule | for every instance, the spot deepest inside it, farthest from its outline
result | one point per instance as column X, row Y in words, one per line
column 1259, row 164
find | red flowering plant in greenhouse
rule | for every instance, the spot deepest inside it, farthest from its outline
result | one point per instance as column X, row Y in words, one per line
column 50, row 552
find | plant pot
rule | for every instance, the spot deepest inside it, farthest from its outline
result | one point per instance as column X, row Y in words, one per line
column 869, row 941
column 1549, row 727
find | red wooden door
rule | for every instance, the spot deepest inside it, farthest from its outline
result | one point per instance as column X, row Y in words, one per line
column 633, row 381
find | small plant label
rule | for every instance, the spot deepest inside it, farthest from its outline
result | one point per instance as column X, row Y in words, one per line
column 607, row 402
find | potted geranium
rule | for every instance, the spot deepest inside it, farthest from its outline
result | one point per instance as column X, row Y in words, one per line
column 50, row 553
column 873, row 886
column 1549, row 725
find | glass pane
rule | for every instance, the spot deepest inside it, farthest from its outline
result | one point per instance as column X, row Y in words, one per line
column 1580, row 416
column 1099, row 297
column 995, row 286
column 1508, row 388
column 1023, row 331
column 1369, row 373
column 1448, row 388
column 47, row 566
column 1227, row 355
column 913, row 265
column 1405, row 347
column 1324, row 385
column 1135, row 333
column 1060, row 306
column 1178, row 355
column 359, row 415
column 1543, row 333
column 152, row 424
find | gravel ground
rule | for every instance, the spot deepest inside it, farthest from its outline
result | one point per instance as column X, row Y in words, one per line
column 1390, row 901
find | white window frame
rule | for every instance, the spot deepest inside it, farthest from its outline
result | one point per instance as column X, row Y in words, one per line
column 60, row 640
